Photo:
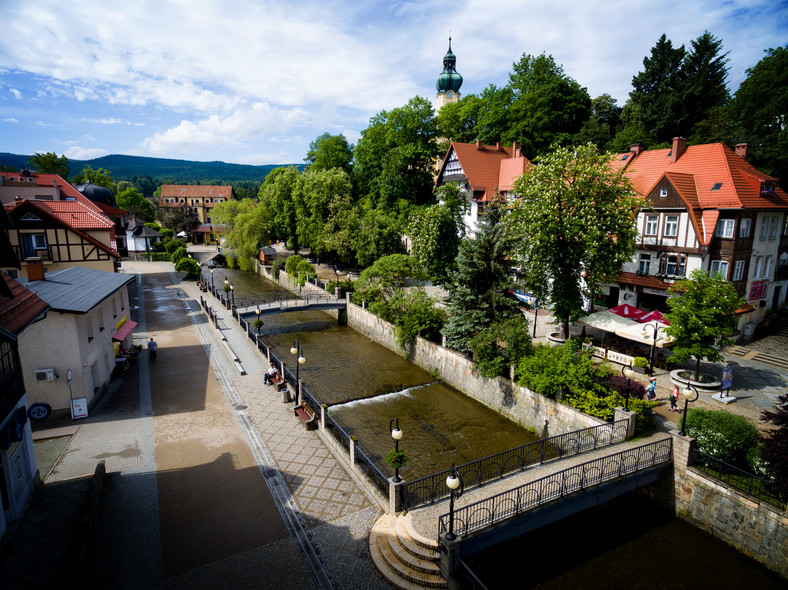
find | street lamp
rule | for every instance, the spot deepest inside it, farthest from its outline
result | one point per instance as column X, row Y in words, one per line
column 687, row 392
column 628, row 373
column 258, row 323
column 453, row 482
column 232, row 294
column 212, row 279
column 396, row 434
column 298, row 350
column 644, row 333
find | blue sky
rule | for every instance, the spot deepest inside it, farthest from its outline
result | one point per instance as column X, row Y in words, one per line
column 254, row 81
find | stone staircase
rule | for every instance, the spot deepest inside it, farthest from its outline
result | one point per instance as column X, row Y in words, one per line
column 403, row 557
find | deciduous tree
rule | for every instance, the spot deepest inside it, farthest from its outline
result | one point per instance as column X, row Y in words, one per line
column 132, row 201
column 574, row 217
column 49, row 163
column 701, row 313
column 330, row 151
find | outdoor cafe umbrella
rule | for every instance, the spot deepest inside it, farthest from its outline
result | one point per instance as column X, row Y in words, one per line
column 654, row 316
column 625, row 310
column 607, row 322
column 635, row 332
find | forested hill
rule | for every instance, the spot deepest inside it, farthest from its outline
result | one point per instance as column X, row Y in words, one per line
column 163, row 169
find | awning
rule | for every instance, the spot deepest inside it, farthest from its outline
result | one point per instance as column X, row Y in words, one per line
column 627, row 311
column 636, row 333
column 124, row 331
column 654, row 316
column 607, row 321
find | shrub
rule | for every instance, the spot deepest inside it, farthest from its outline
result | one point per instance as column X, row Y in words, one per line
column 775, row 447
column 172, row 245
column 277, row 266
column 721, row 434
column 641, row 361
column 179, row 254
column 618, row 384
column 291, row 265
column 189, row 266
column 167, row 233
column 413, row 313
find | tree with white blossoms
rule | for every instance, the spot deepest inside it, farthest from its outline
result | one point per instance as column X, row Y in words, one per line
column 701, row 314
column 574, row 216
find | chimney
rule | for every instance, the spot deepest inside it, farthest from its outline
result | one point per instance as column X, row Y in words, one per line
column 35, row 269
column 479, row 145
column 636, row 149
column 516, row 152
column 741, row 150
column 679, row 146
column 497, row 146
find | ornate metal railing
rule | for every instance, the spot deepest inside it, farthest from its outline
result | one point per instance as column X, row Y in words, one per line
column 526, row 497
column 470, row 580
column 371, row 470
column 476, row 473
column 738, row 478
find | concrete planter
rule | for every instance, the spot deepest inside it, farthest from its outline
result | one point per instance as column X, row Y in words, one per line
column 677, row 379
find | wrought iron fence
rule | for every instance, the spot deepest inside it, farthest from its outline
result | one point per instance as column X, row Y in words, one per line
column 476, row 473
column 502, row 506
column 371, row 470
column 470, row 580
column 738, row 478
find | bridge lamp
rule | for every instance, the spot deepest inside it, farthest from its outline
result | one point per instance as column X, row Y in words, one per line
column 453, row 482
column 628, row 372
column 396, row 434
column 688, row 392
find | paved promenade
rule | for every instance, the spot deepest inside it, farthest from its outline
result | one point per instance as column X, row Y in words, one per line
column 213, row 482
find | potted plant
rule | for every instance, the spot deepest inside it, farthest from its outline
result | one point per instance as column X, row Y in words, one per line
column 640, row 364
column 397, row 458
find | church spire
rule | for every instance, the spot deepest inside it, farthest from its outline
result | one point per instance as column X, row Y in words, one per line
column 450, row 81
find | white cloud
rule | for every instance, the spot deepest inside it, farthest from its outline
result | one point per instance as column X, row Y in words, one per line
column 15, row 92
column 248, row 124
column 79, row 153
column 11, row 120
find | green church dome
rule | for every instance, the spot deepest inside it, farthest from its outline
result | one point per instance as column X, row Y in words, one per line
column 449, row 78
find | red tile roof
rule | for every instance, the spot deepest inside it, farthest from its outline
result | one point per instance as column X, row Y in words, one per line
column 487, row 168
column 19, row 311
column 708, row 164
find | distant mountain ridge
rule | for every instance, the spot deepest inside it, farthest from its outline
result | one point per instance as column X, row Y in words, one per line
column 175, row 171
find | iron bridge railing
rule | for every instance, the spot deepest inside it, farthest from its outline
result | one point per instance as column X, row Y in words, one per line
column 579, row 478
column 738, row 478
column 475, row 473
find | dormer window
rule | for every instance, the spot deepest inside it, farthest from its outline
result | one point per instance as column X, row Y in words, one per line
column 767, row 188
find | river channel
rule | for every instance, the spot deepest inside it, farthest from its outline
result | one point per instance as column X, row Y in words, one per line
column 625, row 543
column 366, row 385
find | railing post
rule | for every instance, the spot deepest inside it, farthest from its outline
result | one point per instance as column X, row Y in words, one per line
column 450, row 561
column 683, row 449
column 352, row 450
column 323, row 418
column 395, row 494
column 622, row 414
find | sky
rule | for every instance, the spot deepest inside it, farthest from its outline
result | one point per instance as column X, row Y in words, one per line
column 255, row 81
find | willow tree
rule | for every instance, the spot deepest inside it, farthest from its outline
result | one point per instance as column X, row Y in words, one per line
column 574, row 217
column 701, row 312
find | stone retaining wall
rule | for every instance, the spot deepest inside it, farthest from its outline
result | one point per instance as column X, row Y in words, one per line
column 521, row 405
column 750, row 525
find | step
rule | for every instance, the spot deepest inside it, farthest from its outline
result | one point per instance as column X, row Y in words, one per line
column 416, row 536
column 387, row 561
column 416, row 549
column 425, row 565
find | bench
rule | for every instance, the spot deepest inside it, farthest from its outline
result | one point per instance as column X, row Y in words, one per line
column 277, row 382
column 307, row 416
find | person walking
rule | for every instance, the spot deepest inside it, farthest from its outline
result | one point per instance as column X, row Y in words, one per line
column 674, row 399
column 651, row 391
column 152, row 348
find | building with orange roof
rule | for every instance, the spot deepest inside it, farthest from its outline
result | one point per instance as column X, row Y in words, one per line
column 705, row 207
column 200, row 200
column 483, row 172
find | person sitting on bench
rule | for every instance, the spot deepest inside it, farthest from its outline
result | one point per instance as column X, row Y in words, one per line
column 270, row 375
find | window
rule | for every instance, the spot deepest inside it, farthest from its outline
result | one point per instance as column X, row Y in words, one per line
column 675, row 264
column 644, row 263
column 651, row 225
column 89, row 326
column 767, row 271
column 717, row 186
column 720, row 267
column 758, row 265
column 745, row 226
column 671, row 226
column 764, row 227
column 663, row 192
column 773, row 228
column 33, row 244
column 738, row 270
column 725, row 228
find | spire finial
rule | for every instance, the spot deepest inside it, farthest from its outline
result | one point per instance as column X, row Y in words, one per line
column 449, row 40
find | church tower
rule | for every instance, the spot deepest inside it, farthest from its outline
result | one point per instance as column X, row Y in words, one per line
column 449, row 81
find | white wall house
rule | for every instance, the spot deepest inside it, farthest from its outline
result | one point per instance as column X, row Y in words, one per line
column 89, row 309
